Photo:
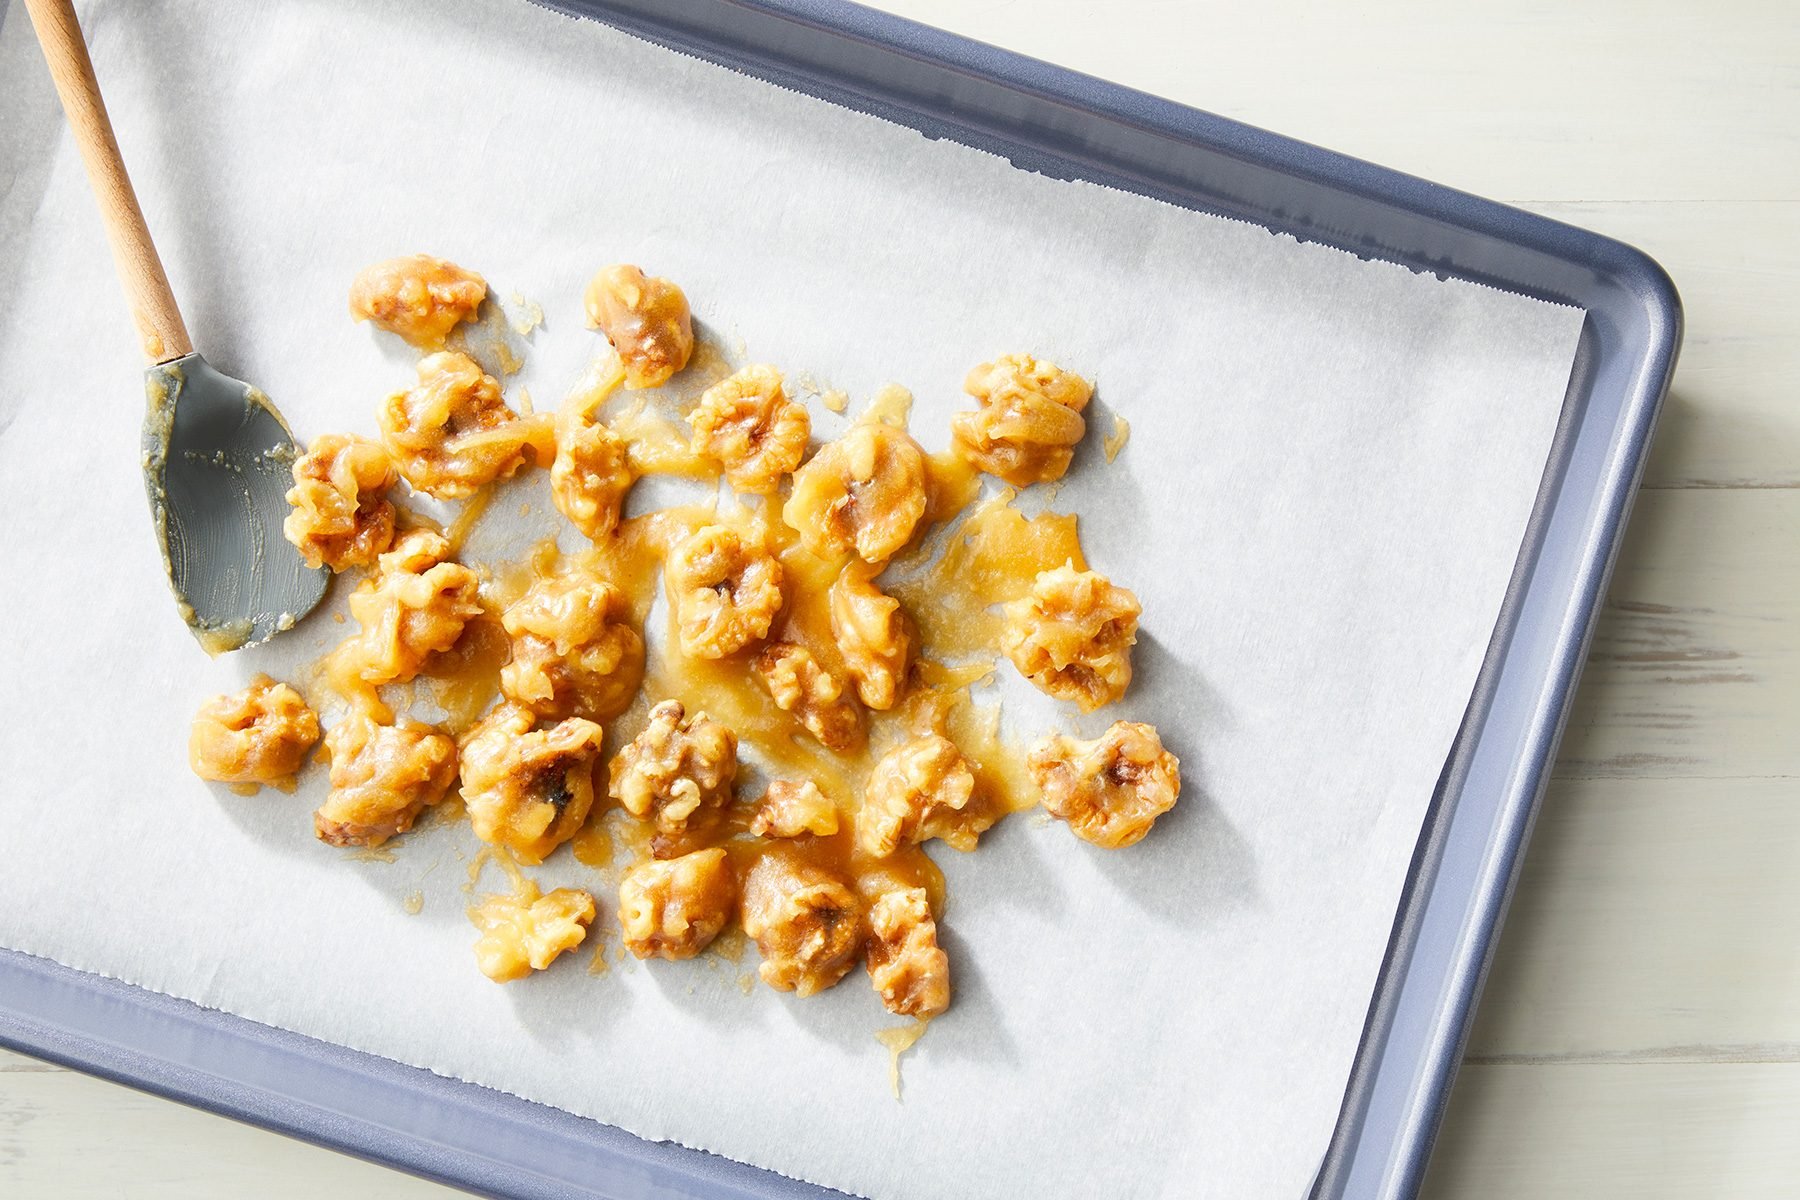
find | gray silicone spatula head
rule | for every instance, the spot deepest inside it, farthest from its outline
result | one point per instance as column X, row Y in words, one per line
column 218, row 462
column 217, row 455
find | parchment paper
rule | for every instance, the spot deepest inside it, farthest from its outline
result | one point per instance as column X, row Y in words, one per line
column 1329, row 475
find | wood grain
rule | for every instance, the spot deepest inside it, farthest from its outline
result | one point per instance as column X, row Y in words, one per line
column 1695, row 668
column 1638, row 1037
column 1514, row 99
column 161, row 331
column 1731, row 419
column 1656, row 921
column 67, row 1136
column 1676, row 1131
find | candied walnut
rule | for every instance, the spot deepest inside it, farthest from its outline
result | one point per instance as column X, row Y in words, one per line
column 1109, row 790
column 748, row 425
column 806, row 920
column 382, row 778
column 528, row 789
column 256, row 736
column 1029, row 421
column 591, row 473
column 725, row 591
column 452, row 433
column 675, row 768
column 418, row 297
column 791, row 809
column 910, row 972
column 342, row 516
column 414, row 605
column 1072, row 636
column 527, row 931
column 799, row 685
column 873, row 634
column 864, row 492
column 647, row 321
column 574, row 651
column 675, row 908
column 915, row 790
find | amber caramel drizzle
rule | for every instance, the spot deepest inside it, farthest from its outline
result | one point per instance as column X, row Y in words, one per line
column 967, row 559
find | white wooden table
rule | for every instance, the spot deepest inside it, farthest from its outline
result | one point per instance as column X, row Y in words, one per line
column 1640, row 1034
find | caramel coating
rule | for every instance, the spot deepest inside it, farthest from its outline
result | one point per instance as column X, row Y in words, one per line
column 725, row 591
column 452, row 433
column 675, row 770
column 747, row 424
column 799, row 685
column 914, row 790
column 792, row 809
column 864, row 492
column 873, row 634
column 574, row 651
column 342, row 516
column 674, row 909
column 591, row 473
column 1109, row 790
column 647, row 321
column 528, row 931
column 418, row 297
column 414, row 605
column 256, row 736
column 1072, row 636
column 910, row 972
column 806, row 920
column 1028, row 422
column 528, row 789
column 382, row 777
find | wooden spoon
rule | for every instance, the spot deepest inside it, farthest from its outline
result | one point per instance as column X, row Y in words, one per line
column 217, row 457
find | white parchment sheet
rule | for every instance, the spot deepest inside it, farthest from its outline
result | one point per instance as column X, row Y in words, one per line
column 1329, row 474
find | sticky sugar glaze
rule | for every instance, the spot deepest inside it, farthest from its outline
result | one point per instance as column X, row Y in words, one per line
column 777, row 757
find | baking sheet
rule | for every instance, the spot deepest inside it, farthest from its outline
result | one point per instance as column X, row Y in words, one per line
column 1331, row 467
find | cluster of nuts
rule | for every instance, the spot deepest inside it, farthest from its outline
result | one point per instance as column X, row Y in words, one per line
column 529, row 770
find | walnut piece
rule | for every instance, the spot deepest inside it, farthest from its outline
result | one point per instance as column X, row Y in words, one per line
column 799, row 685
column 1072, row 636
column 676, row 770
column 342, row 516
column 1109, row 790
column 806, row 920
column 382, row 777
column 574, row 651
column 256, row 736
column 910, row 972
column 864, row 492
column 747, row 424
column 527, row 931
column 914, row 790
column 415, row 604
column 591, row 473
column 725, row 591
column 452, row 433
column 418, row 297
column 528, row 789
column 647, row 321
column 792, row 809
column 674, row 909
column 1029, row 421
column 873, row 633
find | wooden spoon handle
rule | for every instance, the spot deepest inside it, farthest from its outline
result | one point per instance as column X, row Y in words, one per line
column 164, row 336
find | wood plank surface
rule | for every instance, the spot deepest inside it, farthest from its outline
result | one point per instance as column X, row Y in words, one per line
column 1733, row 416
column 1695, row 669
column 1662, row 1131
column 1640, row 1036
column 67, row 1136
column 1656, row 921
